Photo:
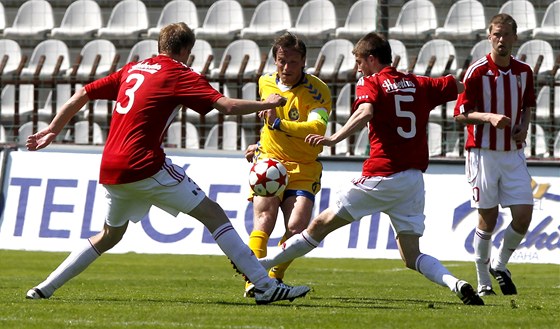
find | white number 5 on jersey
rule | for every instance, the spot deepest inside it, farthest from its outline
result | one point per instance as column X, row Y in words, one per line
column 405, row 114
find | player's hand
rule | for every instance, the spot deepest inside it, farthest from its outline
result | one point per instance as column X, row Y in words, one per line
column 275, row 100
column 40, row 139
column 500, row 121
column 315, row 140
column 519, row 133
column 268, row 116
column 250, row 152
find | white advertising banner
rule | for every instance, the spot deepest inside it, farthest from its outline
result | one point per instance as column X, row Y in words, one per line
column 53, row 200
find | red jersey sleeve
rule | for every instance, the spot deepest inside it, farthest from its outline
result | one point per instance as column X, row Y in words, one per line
column 105, row 88
column 443, row 89
column 366, row 92
column 196, row 92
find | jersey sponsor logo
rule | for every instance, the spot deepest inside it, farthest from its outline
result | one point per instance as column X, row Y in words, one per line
column 401, row 85
column 145, row 67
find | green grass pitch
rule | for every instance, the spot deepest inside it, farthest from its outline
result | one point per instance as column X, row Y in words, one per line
column 184, row 291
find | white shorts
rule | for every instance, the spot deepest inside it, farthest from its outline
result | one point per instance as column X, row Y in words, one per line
column 169, row 189
column 401, row 196
column 498, row 178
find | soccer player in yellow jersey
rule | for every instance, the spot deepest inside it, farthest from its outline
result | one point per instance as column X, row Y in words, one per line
column 282, row 137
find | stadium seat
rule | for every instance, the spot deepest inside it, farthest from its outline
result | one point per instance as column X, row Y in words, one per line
column 80, row 22
column 530, row 51
column 8, row 104
column 361, row 145
column 316, row 20
column 341, row 148
column 100, row 52
column 436, row 114
column 465, row 20
column 54, row 52
column 550, row 24
column 556, row 147
column 129, row 18
column 80, row 134
column 231, row 134
column 523, row 12
column 33, row 20
column 416, row 21
column 343, row 104
column 63, row 93
column 479, row 50
column 333, row 53
column 3, row 136
column 26, row 129
column 173, row 12
column 400, row 55
column 250, row 91
column 223, row 21
column 102, row 111
column 11, row 51
column 270, row 63
column 176, row 139
column 361, row 19
column 445, row 58
column 236, row 52
column 202, row 57
column 539, row 139
column 143, row 49
column 270, row 19
column 434, row 139
column 2, row 17
column 543, row 108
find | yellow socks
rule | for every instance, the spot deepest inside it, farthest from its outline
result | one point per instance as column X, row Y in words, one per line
column 257, row 242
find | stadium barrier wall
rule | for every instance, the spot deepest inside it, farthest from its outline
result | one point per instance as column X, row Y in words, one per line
column 52, row 200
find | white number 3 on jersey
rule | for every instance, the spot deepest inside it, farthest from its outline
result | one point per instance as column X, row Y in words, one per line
column 130, row 92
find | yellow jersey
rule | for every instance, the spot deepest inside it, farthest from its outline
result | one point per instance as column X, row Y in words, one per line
column 306, row 112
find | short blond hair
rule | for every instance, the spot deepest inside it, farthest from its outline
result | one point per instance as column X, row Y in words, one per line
column 174, row 37
column 503, row 19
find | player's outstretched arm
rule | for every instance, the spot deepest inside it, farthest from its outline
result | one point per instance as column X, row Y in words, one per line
column 235, row 106
column 357, row 121
column 43, row 138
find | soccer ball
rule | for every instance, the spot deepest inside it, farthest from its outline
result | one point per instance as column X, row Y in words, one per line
column 268, row 177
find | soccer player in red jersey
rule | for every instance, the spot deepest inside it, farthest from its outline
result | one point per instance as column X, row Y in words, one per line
column 496, row 106
column 134, row 168
column 396, row 107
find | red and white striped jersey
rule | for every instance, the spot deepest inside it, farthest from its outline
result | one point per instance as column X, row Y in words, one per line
column 493, row 89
